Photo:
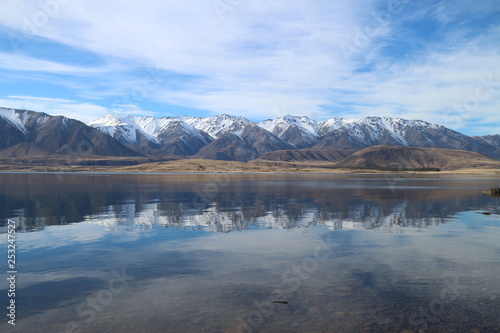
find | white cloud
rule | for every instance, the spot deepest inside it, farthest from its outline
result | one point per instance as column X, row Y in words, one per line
column 264, row 57
column 85, row 112
column 20, row 62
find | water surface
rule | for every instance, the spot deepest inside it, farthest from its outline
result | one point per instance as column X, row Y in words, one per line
column 210, row 253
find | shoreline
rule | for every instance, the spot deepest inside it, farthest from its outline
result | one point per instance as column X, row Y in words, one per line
column 192, row 166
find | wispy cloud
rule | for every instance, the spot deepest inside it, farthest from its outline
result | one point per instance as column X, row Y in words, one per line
column 85, row 112
column 23, row 63
column 262, row 58
column 55, row 106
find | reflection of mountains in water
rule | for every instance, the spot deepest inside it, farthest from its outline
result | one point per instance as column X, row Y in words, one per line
column 221, row 220
column 244, row 202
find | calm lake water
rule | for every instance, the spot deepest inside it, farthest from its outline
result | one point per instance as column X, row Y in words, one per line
column 251, row 253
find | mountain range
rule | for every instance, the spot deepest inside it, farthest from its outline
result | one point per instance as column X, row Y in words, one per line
column 224, row 137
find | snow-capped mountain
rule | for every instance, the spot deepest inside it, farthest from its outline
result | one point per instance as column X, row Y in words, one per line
column 22, row 119
column 218, row 125
column 129, row 129
column 281, row 124
column 26, row 133
column 252, row 142
column 371, row 131
column 169, row 135
column 299, row 131
column 221, row 137
column 224, row 136
column 181, row 139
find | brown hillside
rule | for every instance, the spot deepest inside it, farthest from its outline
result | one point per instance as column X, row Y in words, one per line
column 415, row 158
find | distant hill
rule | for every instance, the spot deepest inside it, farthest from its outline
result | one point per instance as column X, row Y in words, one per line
column 390, row 157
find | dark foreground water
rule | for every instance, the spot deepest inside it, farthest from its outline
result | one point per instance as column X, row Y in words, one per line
column 250, row 253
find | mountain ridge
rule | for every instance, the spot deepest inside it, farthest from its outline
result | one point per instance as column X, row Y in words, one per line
column 37, row 133
column 225, row 137
column 301, row 132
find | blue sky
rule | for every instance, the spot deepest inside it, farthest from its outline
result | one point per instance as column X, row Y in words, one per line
column 437, row 61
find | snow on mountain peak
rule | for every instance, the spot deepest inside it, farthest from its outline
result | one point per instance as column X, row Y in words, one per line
column 373, row 127
column 281, row 124
column 19, row 118
column 127, row 127
column 299, row 131
column 218, row 125
column 109, row 120
column 13, row 117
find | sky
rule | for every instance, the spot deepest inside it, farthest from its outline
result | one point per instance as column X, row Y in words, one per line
column 437, row 61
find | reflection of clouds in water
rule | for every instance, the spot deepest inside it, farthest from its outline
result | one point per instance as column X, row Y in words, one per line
column 216, row 277
column 453, row 249
column 59, row 236
column 258, row 242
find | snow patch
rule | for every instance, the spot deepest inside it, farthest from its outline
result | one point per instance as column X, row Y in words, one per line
column 14, row 117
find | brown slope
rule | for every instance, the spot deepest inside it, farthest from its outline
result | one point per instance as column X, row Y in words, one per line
column 307, row 155
column 228, row 147
column 218, row 166
column 27, row 154
column 414, row 158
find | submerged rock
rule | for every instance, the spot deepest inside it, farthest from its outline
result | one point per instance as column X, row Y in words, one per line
column 492, row 192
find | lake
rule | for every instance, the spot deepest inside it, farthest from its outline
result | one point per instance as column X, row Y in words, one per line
column 251, row 253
